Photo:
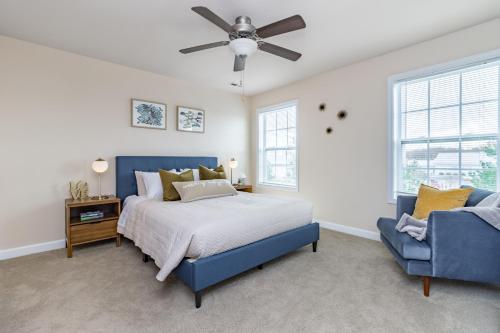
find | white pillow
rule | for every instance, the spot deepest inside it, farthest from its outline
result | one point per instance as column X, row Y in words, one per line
column 196, row 173
column 204, row 189
column 141, row 188
column 152, row 184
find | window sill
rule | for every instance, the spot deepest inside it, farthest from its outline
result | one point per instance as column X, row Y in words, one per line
column 278, row 187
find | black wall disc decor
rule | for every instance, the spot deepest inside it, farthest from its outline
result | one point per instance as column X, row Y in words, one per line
column 322, row 107
column 342, row 114
column 329, row 130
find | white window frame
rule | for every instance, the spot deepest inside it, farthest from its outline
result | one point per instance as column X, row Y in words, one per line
column 270, row 108
column 393, row 128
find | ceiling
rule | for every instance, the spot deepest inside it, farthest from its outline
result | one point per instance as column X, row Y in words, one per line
column 147, row 34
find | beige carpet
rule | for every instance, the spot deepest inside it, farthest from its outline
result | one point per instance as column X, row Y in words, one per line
column 349, row 285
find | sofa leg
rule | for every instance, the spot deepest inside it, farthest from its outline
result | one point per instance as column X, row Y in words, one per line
column 145, row 257
column 315, row 246
column 261, row 266
column 427, row 285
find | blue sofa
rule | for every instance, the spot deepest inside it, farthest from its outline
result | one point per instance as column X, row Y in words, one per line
column 458, row 245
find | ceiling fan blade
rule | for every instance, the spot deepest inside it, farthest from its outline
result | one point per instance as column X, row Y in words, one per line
column 280, row 51
column 212, row 17
column 203, row 47
column 292, row 23
column 239, row 62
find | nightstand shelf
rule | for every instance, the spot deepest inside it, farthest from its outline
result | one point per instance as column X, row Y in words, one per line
column 82, row 232
column 106, row 217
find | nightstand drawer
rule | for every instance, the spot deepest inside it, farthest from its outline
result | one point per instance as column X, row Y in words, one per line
column 93, row 231
column 243, row 188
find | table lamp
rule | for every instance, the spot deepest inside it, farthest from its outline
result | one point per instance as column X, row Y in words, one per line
column 100, row 166
column 232, row 164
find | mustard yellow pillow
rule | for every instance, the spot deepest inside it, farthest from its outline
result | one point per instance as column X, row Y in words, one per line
column 207, row 174
column 167, row 178
column 430, row 199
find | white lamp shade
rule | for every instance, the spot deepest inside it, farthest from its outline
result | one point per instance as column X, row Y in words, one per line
column 233, row 163
column 100, row 165
column 243, row 46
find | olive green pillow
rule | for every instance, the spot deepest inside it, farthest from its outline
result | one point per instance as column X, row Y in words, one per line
column 167, row 177
column 207, row 174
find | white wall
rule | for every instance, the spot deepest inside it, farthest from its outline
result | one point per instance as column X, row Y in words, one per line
column 60, row 111
column 345, row 173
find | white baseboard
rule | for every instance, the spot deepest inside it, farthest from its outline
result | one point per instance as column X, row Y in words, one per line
column 30, row 249
column 61, row 243
column 349, row 230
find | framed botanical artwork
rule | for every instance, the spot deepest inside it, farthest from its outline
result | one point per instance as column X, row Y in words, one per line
column 149, row 114
column 190, row 120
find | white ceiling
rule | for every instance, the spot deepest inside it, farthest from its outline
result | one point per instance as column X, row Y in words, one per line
column 147, row 34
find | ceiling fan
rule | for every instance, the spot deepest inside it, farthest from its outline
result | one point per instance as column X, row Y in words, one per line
column 245, row 39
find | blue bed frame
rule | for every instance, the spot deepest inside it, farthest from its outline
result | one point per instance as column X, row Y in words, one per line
column 208, row 271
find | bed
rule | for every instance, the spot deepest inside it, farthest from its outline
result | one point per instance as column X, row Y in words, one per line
column 229, row 243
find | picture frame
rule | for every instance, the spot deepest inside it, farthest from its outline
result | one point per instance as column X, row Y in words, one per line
column 148, row 114
column 190, row 119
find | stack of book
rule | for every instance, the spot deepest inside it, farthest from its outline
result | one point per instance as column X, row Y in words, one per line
column 86, row 216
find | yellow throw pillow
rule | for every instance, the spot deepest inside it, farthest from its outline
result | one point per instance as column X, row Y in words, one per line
column 430, row 199
column 207, row 174
column 167, row 177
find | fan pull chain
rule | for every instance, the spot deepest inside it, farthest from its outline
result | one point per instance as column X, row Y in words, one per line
column 243, row 83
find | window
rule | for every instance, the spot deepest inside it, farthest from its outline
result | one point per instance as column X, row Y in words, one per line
column 445, row 128
column 278, row 145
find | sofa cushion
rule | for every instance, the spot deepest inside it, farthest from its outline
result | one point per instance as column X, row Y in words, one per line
column 412, row 267
column 407, row 247
column 476, row 196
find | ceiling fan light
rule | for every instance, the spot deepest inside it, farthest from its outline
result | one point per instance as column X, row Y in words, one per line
column 243, row 46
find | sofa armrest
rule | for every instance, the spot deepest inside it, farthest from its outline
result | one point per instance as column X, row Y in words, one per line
column 405, row 204
column 463, row 246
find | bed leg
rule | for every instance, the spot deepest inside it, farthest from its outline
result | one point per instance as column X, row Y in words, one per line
column 145, row 257
column 261, row 266
column 315, row 246
column 197, row 299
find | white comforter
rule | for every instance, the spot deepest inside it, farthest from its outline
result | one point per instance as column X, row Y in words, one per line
column 170, row 231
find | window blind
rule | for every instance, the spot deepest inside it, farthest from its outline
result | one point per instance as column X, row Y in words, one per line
column 278, row 145
column 446, row 129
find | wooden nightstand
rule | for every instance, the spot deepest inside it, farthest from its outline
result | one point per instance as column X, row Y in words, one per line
column 81, row 232
column 243, row 188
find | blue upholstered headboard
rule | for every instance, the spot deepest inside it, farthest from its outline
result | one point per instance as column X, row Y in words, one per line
column 126, row 165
